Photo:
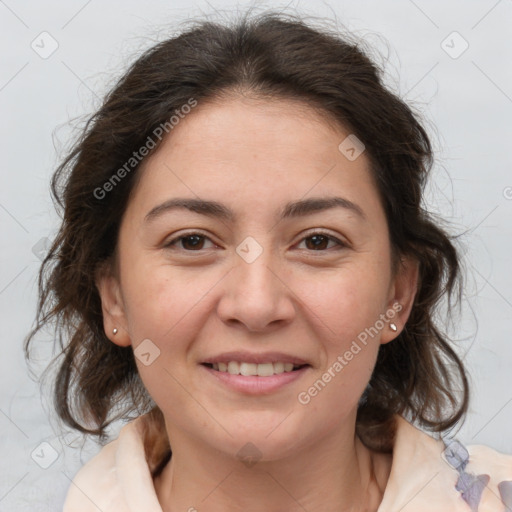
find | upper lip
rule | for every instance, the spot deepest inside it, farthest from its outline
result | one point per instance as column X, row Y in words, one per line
column 252, row 357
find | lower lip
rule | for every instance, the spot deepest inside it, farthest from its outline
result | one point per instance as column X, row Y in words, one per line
column 254, row 384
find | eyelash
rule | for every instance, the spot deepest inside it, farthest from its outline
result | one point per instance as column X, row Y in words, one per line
column 330, row 238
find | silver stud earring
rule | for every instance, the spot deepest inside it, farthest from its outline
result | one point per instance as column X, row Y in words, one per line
column 393, row 327
column 114, row 331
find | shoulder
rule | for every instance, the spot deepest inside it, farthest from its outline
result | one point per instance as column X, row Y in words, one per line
column 95, row 486
column 430, row 474
column 118, row 478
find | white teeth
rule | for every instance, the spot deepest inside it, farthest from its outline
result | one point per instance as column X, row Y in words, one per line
column 265, row 369
column 233, row 368
column 278, row 367
column 247, row 369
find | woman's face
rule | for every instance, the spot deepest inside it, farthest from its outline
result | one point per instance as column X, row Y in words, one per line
column 282, row 257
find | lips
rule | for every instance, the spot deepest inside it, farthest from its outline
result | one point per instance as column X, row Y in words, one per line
column 255, row 385
column 254, row 365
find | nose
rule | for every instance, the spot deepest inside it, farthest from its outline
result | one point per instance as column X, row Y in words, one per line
column 256, row 295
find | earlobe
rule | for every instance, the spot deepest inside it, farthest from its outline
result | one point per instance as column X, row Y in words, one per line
column 112, row 306
column 402, row 295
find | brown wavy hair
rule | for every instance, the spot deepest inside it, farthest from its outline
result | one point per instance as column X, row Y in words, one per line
column 274, row 56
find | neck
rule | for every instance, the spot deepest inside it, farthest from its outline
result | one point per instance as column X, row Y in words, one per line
column 334, row 475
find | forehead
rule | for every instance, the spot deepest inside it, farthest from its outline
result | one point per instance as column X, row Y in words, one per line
column 235, row 126
column 255, row 152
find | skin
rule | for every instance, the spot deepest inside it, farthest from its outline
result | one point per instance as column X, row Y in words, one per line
column 255, row 156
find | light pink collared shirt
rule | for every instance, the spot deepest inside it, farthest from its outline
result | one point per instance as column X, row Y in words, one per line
column 422, row 478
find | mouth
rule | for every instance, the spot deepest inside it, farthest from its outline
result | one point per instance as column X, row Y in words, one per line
column 257, row 377
column 255, row 369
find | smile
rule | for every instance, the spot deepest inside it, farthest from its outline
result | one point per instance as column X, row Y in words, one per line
column 254, row 369
column 255, row 378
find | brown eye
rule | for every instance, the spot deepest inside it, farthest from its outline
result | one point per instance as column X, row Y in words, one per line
column 317, row 242
column 320, row 242
column 191, row 242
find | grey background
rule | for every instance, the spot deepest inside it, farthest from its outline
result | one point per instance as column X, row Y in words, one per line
column 467, row 103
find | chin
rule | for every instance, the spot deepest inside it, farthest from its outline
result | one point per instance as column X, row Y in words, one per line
column 264, row 440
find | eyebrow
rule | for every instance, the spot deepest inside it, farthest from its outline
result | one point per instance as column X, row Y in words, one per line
column 218, row 210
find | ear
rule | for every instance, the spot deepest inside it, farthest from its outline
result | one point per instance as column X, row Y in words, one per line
column 112, row 305
column 401, row 297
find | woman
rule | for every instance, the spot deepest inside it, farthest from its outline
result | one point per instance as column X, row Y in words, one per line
column 244, row 265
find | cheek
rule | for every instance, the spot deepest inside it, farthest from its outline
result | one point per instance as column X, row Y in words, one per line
column 161, row 301
column 346, row 308
column 347, row 301
column 350, row 347
column 166, row 307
